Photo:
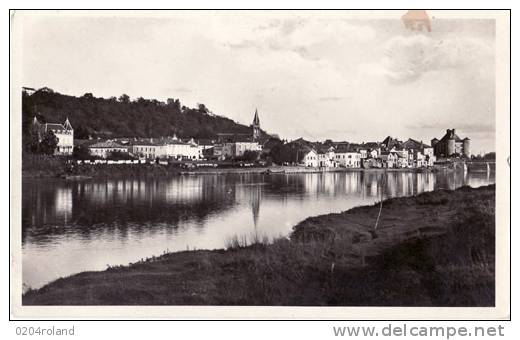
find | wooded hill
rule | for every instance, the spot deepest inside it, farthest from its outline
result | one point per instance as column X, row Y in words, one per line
column 122, row 117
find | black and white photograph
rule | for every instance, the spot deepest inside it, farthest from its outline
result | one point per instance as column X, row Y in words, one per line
column 270, row 158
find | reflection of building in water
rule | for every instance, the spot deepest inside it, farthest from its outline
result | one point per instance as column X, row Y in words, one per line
column 97, row 192
column 391, row 184
column 371, row 182
column 429, row 181
column 63, row 203
column 122, row 191
column 410, row 188
column 353, row 182
column 425, row 182
column 326, row 184
column 256, row 194
column 185, row 189
column 311, row 183
column 373, row 188
column 459, row 179
column 333, row 184
column 450, row 179
column 397, row 183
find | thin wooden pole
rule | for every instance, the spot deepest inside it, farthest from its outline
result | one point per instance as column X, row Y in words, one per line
column 383, row 184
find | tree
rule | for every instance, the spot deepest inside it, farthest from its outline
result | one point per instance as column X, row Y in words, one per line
column 174, row 103
column 490, row 156
column 46, row 89
column 250, row 155
column 289, row 153
column 119, row 155
column 81, row 132
column 204, row 133
column 272, row 143
column 142, row 101
column 48, row 143
column 124, row 98
column 31, row 142
column 202, row 108
column 122, row 118
column 81, row 152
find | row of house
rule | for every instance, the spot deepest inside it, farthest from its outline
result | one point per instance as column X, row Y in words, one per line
column 226, row 146
column 150, row 148
column 174, row 148
column 391, row 153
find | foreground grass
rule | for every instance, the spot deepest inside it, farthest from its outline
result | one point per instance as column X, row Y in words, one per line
column 436, row 249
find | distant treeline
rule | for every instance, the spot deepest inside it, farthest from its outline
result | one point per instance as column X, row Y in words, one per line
column 123, row 117
column 490, row 156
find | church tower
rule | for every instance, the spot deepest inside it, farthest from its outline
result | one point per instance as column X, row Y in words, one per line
column 256, row 126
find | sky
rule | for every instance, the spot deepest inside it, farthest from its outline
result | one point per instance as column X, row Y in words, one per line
column 316, row 75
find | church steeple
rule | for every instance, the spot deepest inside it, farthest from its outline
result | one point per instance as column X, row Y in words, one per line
column 256, row 126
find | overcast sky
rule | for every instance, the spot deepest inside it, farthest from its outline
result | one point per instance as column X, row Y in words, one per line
column 310, row 75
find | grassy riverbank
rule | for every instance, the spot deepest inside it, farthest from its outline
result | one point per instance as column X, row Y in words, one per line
column 435, row 249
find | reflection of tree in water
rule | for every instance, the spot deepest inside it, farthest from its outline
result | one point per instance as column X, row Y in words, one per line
column 119, row 205
column 43, row 207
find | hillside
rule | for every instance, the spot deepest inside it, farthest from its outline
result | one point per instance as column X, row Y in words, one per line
column 122, row 117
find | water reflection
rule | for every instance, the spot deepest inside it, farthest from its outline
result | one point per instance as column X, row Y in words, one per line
column 68, row 227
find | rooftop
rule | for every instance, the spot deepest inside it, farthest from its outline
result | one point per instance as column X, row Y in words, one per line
column 450, row 134
column 54, row 126
column 414, row 144
column 106, row 144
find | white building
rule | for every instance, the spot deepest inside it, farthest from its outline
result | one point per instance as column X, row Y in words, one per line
column 348, row 157
column 177, row 149
column 227, row 150
column 374, row 153
column 239, row 146
column 166, row 148
column 310, row 159
column 429, row 155
column 402, row 158
column 205, row 145
column 63, row 132
column 388, row 159
column 420, row 154
column 327, row 158
column 147, row 149
column 105, row 148
column 420, row 160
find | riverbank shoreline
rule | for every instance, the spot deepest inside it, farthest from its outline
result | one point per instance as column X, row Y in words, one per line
column 158, row 170
column 434, row 249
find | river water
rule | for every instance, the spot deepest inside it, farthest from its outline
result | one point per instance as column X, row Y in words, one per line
column 74, row 226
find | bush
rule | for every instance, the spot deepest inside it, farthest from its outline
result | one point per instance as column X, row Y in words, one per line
column 119, row 155
column 81, row 152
